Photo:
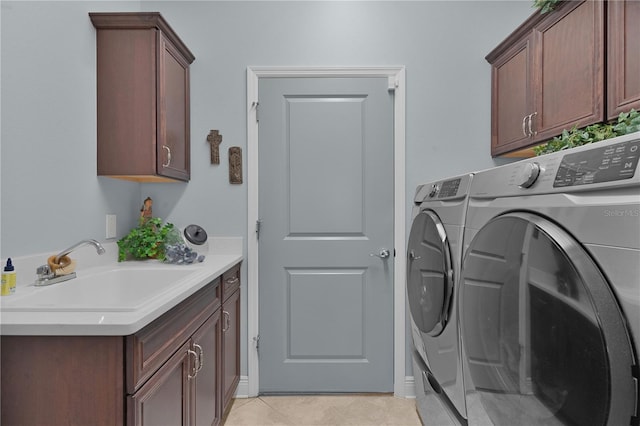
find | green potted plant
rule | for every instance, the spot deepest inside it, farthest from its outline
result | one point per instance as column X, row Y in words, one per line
column 146, row 241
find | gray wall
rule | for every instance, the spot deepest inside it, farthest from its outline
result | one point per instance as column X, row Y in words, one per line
column 51, row 196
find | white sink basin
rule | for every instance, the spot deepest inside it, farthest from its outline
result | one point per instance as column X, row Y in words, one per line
column 111, row 290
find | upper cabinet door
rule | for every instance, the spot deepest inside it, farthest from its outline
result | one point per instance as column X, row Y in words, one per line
column 623, row 56
column 142, row 98
column 173, row 149
column 512, row 97
column 569, row 69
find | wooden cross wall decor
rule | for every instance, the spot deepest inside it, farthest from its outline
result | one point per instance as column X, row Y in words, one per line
column 215, row 139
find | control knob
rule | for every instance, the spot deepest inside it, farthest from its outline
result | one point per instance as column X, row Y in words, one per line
column 434, row 190
column 529, row 174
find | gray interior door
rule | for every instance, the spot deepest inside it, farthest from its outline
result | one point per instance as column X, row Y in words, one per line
column 326, row 204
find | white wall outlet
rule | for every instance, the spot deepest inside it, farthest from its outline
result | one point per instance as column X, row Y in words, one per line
column 111, row 226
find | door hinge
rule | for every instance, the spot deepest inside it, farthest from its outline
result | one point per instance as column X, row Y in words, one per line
column 392, row 83
column 255, row 105
column 258, row 226
column 257, row 340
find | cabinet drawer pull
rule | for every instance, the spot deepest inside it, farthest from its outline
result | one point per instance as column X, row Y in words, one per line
column 225, row 315
column 168, row 155
column 200, row 357
column 195, row 368
column 232, row 280
column 524, row 125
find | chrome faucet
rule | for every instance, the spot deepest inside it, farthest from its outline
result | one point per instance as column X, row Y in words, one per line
column 97, row 245
column 47, row 277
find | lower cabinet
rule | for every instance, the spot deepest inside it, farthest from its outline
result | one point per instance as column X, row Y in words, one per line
column 184, row 368
column 181, row 369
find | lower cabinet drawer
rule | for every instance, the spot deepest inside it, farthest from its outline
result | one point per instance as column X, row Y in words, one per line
column 230, row 281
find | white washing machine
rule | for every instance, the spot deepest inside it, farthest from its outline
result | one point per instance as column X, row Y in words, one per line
column 433, row 269
column 550, row 294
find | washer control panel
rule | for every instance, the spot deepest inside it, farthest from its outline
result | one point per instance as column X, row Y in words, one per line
column 605, row 164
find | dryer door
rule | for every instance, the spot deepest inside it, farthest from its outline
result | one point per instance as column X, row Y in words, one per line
column 544, row 339
column 429, row 273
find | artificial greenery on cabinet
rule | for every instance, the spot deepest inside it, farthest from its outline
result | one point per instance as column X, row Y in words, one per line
column 627, row 122
column 545, row 5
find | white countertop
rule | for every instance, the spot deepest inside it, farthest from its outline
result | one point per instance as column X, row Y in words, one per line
column 18, row 318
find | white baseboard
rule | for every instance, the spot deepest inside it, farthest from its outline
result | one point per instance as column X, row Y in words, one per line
column 243, row 387
column 409, row 387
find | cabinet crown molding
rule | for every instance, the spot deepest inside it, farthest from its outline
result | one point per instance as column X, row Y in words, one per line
column 140, row 20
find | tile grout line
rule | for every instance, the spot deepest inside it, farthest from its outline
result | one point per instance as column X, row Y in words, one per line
column 283, row 414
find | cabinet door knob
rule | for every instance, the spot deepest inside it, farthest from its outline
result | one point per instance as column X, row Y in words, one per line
column 195, row 366
column 168, row 155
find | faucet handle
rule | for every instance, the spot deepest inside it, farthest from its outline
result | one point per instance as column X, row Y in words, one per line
column 43, row 270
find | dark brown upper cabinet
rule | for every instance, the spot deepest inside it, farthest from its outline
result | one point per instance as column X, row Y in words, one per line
column 548, row 75
column 143, row 98
column 623, row 56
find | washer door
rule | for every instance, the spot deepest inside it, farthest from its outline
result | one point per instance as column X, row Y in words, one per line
column 429, row 274
column 544, row 339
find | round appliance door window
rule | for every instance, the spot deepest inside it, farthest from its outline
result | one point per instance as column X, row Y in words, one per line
column 544, row 339
column 429, row 273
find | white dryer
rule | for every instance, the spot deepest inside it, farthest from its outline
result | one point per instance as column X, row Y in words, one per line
column 550, row 294
column 433, row 266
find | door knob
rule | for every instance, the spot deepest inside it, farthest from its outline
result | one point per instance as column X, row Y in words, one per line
column 384, row 253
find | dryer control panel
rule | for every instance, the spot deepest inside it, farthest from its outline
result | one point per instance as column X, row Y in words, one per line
column 449, row 188
column 446, row 189
column 599, row 164
column 454, row 188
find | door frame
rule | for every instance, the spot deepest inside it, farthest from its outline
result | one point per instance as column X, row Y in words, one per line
column 396, row 83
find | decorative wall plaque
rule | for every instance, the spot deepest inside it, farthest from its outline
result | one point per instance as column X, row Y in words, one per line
column 215, row 139
column 235, row 164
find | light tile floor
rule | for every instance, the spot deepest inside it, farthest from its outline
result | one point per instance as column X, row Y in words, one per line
column 323, row 410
